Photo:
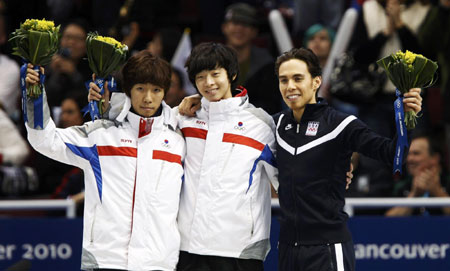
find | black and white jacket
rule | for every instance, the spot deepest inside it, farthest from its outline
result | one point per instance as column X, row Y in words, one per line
column 313, row 157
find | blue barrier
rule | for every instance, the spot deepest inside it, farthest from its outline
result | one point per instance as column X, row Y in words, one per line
column 409, row 243
column 39, row 244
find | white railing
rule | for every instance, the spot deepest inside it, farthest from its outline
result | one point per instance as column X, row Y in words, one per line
column 40, row 204
column 352, row 203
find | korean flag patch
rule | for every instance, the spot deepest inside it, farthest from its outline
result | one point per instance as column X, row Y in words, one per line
column 313, row 127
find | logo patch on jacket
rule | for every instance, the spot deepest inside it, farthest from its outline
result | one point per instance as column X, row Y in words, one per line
column 288, row 127
column 312, row 128
column 239, row 126
column 166, row 143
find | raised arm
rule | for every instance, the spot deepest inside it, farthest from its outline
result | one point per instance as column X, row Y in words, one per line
column 58, row 144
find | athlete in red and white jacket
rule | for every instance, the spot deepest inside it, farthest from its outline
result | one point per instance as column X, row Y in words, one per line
column 225, row 203
column 133, row 175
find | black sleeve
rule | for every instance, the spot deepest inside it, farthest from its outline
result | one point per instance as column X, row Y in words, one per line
column 360, row 138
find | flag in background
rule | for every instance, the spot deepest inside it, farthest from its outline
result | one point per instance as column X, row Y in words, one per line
column 179, row 59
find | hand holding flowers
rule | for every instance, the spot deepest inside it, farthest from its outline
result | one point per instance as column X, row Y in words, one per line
column 407, row 71
column 36, row 41
column 105, row 55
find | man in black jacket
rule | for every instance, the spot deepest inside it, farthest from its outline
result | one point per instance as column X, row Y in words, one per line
column 314, row 146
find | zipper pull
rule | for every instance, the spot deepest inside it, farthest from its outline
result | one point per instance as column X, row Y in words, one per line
column 298, row 128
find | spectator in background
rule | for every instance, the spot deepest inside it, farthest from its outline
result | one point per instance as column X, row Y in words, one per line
column 310, row 12
column 71, row 107
column 256, row 65
column 9, row 76
column 427, row 177
column 319, row 39
column 15, row 180
column 164, row 43
column 434, row 37
column 385, row 27
column 68, row 70
column 13, row 148
column 176, row 92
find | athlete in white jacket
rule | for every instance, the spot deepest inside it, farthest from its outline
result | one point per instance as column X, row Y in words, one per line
column 225, row 213
column 133, row 171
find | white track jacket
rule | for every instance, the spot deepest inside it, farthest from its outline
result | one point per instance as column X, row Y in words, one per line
column 133, row 175
column 225, row 205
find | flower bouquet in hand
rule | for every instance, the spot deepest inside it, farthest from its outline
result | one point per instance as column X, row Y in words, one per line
column 406, row 71
column 105, row 55
column 36, row 41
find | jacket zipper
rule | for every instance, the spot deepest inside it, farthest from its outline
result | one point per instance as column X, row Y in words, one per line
column 293, row 192
column 93, row 223
column 251, row 216
column 159, row 177
column 228, row 158
column 331, row 256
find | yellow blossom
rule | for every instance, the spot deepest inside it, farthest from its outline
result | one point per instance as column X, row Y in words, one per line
column 110, row 41
column 39, row 25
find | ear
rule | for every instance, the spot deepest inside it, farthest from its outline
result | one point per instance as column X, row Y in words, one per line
column 317, row 81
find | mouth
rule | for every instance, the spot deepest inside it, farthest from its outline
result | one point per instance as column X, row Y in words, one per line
column 212, row 91
column 293, row 97
column 147, row 108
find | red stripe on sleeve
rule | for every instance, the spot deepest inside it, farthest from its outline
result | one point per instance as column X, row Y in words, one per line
column 243, row 140
column 194, row 132
column 167, row 156
column 117, row 151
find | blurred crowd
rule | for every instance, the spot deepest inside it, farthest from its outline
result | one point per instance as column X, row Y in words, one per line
column 356, row 85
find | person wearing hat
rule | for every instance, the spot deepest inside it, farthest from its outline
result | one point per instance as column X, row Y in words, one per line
column 240, row 28
column 319, row 39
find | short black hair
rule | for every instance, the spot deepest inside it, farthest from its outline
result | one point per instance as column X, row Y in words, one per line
column 210, row 56
column 306, row 55
column 143, row 68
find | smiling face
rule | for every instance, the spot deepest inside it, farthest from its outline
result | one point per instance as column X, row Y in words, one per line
column 213, row 84
column 297, row 87
column 419, row 157
column 146, row 99
column 74, row 39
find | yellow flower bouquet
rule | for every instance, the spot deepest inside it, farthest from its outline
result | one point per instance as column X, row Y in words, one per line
column 105, row 55
column 36, row 41
column 409, row 70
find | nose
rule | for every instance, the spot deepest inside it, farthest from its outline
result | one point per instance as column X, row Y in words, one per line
column 209, row 80
column 290, row 85
column 148, row 98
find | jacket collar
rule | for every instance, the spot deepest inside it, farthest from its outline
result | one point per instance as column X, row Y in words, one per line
column 312, row 111
column 167, row 117
column 223, row 106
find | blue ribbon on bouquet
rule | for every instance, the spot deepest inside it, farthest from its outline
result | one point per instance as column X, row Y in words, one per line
column 402, row 138
column 38, row 108
column 92, row 107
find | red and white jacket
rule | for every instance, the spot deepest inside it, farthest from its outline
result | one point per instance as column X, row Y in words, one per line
column 133, row 175
column 225, row 200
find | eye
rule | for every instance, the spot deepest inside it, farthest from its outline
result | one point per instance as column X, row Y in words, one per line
column 199, row 77
column 283, row 81
column 216, row 74
column 156, row 90
column 298, row 78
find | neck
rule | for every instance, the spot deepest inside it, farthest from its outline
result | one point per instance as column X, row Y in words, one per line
column 298, row 113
